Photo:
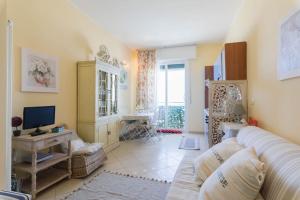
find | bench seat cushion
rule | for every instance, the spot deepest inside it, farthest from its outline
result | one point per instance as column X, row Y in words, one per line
column 88, row 149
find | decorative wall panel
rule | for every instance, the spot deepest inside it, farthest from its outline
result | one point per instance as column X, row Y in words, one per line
column 223, row 95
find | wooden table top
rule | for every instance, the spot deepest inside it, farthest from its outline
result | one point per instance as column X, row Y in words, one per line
column 137, row 116
column 29, row 138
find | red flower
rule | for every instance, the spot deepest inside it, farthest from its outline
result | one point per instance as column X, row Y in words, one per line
column 16, row 121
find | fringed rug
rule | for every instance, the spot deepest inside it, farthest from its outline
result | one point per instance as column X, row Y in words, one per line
column 116, row 186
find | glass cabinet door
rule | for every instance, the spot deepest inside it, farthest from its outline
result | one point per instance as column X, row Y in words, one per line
column 114, row 94
column 108, row 94
column 103, row 94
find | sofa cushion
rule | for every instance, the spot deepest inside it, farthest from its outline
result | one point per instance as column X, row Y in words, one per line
column 206, row 163
column 259, row 197
column 282, row 160
column 239, row 178
column 184, row 186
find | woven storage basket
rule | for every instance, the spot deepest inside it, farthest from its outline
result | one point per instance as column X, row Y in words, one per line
column 83, row 165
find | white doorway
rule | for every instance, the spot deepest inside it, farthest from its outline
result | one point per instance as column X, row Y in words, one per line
column 171, row 95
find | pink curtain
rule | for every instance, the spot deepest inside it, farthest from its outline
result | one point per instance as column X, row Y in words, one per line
column 146, row 80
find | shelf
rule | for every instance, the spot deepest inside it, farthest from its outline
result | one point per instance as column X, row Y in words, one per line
column 45, row 179
column 27, row 167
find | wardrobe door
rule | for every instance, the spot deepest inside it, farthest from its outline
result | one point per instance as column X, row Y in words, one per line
column 103, row 133
column 113, row 131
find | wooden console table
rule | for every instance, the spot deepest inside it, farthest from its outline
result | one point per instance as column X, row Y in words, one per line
column 49, row 175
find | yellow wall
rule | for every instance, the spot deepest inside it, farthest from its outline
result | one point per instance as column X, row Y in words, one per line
column 133, row 79
column 55, row 27
column 274, row 103
column 206, row 55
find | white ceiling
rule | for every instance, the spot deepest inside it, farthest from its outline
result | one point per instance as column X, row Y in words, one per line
column 162, row 23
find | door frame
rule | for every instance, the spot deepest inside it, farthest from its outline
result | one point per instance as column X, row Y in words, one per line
column 187, row 88
column 6, row 107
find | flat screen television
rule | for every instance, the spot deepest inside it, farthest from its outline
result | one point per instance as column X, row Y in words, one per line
column 36, row 117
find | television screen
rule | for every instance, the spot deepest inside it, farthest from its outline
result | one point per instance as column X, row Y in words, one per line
column 34, row 117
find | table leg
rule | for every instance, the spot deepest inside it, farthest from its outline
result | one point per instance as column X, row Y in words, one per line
column 33, row 175
column 14, row 155
column 70, row 159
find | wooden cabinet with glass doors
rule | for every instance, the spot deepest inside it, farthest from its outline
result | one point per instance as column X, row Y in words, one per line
column 98, row 119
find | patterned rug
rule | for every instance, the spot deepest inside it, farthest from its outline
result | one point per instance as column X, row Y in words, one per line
column 114, row 186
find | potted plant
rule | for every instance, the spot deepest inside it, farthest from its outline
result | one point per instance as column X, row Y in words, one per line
column 15, row 122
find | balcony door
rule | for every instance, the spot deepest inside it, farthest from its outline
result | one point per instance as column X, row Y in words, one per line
column 171, row 95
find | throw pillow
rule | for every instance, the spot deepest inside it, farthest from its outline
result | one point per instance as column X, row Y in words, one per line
column 88, row 149
column 208, row 162
column 76, row 144
column 64, row 146
column 239, row 178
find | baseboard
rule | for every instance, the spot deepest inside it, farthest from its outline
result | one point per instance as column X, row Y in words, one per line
column 111, row 147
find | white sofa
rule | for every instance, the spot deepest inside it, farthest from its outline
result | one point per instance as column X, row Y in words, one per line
column 282, row 159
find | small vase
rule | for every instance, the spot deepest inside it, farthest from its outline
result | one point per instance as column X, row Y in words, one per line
column 17, row 133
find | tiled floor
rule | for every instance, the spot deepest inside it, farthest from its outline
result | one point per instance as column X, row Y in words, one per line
column 152, row 159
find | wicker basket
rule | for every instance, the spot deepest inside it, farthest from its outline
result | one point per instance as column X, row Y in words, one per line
column 84, row 165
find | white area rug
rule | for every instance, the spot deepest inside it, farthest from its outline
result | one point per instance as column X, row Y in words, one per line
column 113, row 186
column 190, row 143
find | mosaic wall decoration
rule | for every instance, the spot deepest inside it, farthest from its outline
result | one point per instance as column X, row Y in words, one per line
column 223, row 95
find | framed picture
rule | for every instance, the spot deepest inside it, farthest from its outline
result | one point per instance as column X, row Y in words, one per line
column 123, row 78
column 289, row 54
column 39, row 72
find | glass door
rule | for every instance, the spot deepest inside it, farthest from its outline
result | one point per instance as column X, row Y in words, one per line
column 108, row 94
column 103, row 93
column 114, row 94
column 171, row 95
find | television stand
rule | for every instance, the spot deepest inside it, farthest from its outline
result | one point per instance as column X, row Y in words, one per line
column 43, row 174
column 38, row 133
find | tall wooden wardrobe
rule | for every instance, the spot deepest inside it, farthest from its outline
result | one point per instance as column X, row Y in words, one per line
column 98, row 103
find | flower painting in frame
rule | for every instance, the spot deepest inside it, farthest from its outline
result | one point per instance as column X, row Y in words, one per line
column 39, row 72
column 289, row 54
column 123, row 78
